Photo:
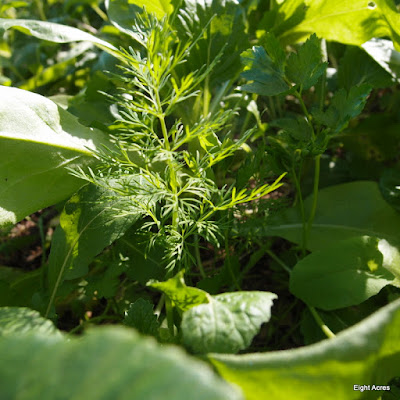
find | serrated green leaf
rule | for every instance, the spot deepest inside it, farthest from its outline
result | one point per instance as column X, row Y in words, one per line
column 140, row 316
column 305, row 67
column 183, row 297
column 344, row 211
column 17, row 321
column 365, row 354
column 113, row 363
column 38, row 140
column 264, row 68
column 347, row 273
column 227, row 323
column 344, row 106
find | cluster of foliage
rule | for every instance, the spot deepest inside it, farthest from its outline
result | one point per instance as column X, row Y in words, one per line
column 225, row 178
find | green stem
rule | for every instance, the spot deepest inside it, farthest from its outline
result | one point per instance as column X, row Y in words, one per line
column 279, row 261
column 99, row 12
column 302, row 211
column 170, row 316
column 329, row 334
column 197, row 255
column 40, row 9
column 315, row 193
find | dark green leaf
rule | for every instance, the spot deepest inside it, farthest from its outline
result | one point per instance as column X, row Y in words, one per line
column 264, row 68
column 344, row 211
column 357, row 67
column 91, row 220
column 305, row 67
column 140, row 316
column 344, row 106
column 389, row 183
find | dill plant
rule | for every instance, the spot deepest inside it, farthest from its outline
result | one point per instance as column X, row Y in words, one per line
column 161, row 164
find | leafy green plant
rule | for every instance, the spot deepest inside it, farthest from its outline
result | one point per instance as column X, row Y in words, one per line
column 225, row 178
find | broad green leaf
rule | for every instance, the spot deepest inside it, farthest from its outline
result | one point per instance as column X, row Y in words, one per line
column 347, row 273
column 140, row 316
column 122, row 14
column 228, row 323
column 366, row 354
column 16, row 321
column 55, row 33
column 357, row 67
column 183, row 297
column 38, row 140
column 343, row 107
column 92, row 219
column 344, row 211
column 113, row 363
column 384, row 53
column 353, row 22
column 305, row 67
column 264, row 68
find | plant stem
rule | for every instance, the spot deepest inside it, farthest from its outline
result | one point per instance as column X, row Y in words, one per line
column 170, row 316
column 329, row 334
column 279, row 261
column 315, row 194
column 197, row 255
column 302, row 211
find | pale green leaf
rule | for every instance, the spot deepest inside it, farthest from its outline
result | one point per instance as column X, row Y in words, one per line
column 38, row 140
column 106, row 364
column 16, row 321
column 366, row 354
column 343, row 211
column 227, row 323
column 122, row 13
column 345, row 274
column 183, row 297
column 349, row 22
column 55, row 32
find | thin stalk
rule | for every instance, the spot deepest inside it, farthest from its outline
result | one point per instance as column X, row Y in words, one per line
column 279, row 261
column 329, row 334
column 40, row 9
column 170, row 316
column 315, row 193
column 99, row 12
column 197, row 255
column 302, row 211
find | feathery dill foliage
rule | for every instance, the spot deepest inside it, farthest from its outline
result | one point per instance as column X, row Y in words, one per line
column 154, row 163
